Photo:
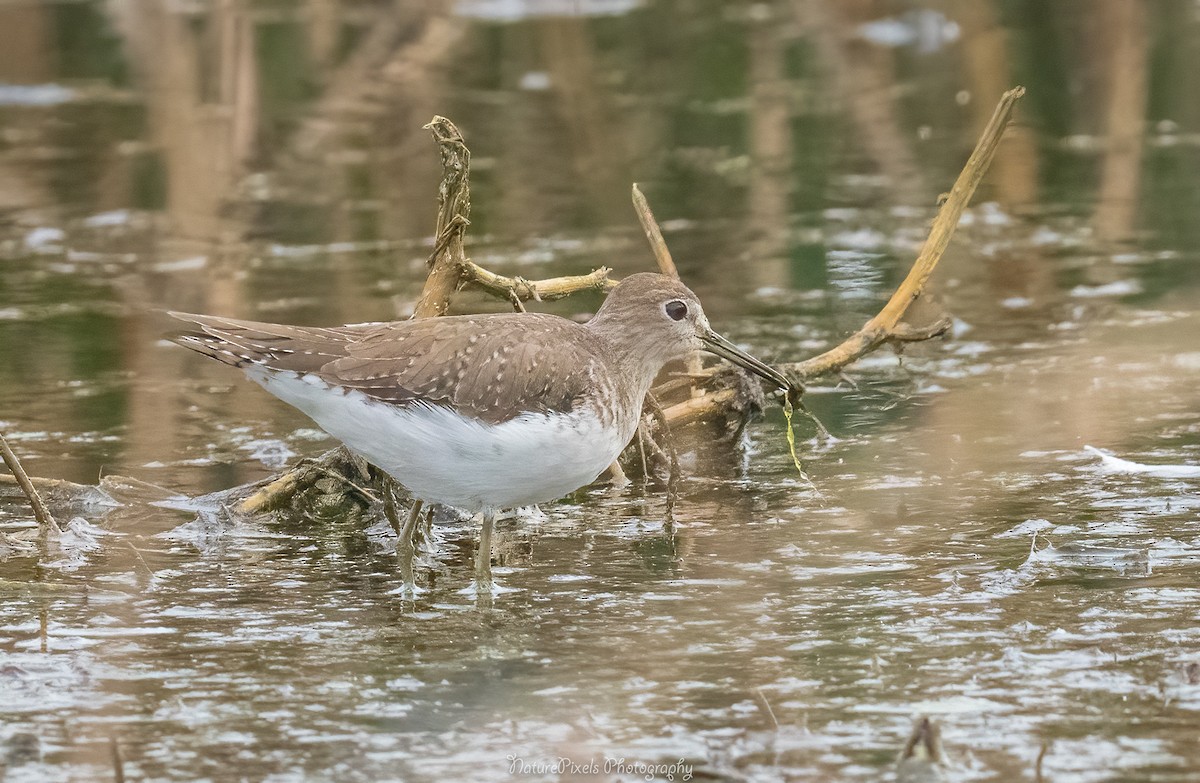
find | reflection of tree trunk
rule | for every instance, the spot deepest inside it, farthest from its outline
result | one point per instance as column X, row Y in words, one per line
column 386, row 88
column 1181, row 66
column 770, row 147
column 412, row 86
column 324, row 27
column 239, row 83
column 25, row 40
column 862, row 75
column 524, row 132
column 599, row 156
column 1120, row 177
column 203, row 146
column 349, row 86
column 985, row 48
column 205, row 129
column 28, row 58
column 533, row 124
column 20, row 189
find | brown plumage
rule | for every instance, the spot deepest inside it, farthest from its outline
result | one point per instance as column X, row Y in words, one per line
column 490, row 367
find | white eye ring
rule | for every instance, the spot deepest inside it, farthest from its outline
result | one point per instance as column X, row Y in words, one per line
column 676, row 310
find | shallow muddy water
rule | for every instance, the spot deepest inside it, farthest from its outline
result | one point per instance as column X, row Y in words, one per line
column 1004, row 535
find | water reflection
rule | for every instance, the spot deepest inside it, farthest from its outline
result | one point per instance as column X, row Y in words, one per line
column 968, row 557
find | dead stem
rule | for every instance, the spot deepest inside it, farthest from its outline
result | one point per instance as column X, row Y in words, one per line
column 454, row 213
column 662, row 254
column 44, row 518
column 765, row 706
column 520, row 289
column 883, row 327
column 1041, row 756
column 118, row 760
column 666, row 265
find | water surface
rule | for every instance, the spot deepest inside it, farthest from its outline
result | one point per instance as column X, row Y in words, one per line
column 958, row 553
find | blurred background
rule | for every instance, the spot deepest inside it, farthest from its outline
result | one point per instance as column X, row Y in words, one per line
column 266, row 159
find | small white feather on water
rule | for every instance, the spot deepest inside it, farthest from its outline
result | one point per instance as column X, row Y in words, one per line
column 1111, row 464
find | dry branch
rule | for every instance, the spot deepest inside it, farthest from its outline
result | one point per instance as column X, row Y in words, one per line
column 666, row 264
column 454, row 213
column 45, row 519
column 538, row 290
column 883, row 327
column 275, row 493
column 662, row 254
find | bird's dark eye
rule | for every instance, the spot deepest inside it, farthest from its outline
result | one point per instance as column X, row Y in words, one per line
column 676, row 309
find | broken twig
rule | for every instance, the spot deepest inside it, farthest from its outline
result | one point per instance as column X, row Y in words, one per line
column 666, row 265
column 662, row 254
column 454, row 213
column 118, row 759
column 537, row 290
column 883, row 327
column 45, row 519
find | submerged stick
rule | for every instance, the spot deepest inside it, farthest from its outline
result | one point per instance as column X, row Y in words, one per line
column 765, row 706
column 44, row 518
column 48, row 485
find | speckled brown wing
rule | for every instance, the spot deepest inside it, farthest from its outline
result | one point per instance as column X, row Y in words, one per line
column 492, row 367
column 240, row 343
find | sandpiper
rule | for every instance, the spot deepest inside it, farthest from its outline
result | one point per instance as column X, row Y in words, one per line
column 480, row 412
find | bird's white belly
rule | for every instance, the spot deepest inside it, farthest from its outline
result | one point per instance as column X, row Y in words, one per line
column 443, row 457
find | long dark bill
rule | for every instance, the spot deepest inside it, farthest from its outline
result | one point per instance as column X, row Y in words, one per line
column 715, row 343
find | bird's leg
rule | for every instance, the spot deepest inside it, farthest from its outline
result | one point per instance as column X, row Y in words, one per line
column 406, row 530
column 389, row 505
column 405, row 550
column 483, row 557
column 427, row 529
column 410, row 524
